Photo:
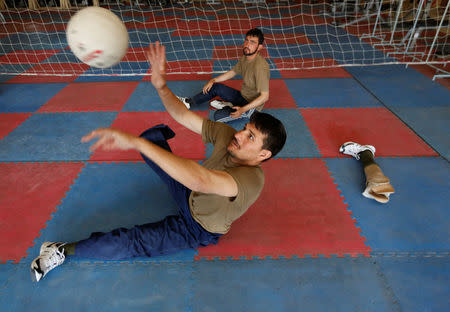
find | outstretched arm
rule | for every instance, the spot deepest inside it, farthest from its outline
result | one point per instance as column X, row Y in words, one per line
column 186, row 171
column 156, row 55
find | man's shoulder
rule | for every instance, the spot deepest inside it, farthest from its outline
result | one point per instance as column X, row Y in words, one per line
column 216, row 129
column 218, row 125
column 248, row 177
column 261, row 63
column 262, row 60
column 254, row 171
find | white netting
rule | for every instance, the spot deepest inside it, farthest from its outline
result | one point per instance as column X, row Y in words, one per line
column 206, row 36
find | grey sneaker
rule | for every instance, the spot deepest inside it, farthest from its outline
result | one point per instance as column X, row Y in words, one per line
column 186, row 101
column 353, row 149
column 220, row 104
column 51, row 255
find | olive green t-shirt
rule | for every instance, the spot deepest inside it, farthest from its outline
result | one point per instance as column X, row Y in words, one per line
column 255, row 75
column 213, row 212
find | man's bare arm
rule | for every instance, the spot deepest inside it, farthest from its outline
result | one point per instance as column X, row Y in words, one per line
column 157, row 57
column 224, row 77
column 261, row 99
column 186, row 171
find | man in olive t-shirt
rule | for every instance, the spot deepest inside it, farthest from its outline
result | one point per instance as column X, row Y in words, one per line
column 214, row 212
column 209, row 197
column 255, row 73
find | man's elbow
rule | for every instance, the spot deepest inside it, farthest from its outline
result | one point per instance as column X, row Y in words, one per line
column 200, row 184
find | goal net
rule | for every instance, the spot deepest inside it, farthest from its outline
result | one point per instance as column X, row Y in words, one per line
column 203, row 37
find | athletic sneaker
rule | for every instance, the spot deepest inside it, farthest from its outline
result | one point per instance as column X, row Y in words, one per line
column 220, row 104
column 51, row 255
column 186, row 101
column 353, row 149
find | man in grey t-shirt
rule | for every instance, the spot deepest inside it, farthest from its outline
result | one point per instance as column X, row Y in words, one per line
column 255, row 73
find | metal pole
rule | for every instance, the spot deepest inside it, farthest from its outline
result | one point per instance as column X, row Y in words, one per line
column 415, row 24
column 378, row 16
column 400, row 6
column 438, row 30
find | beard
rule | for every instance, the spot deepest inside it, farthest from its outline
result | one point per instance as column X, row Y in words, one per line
column 249, row 53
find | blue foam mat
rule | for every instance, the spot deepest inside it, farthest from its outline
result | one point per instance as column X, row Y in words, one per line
column 291, row 285
column 53, row 137
column 27, row 41
column 420, row 284
column 27, row 97
column 107, row 196
column 431, row 123
column 83, row 286
column 340, row 92
column 120, row 68
column 416, row 217
column 146, row 98
column 397, row 86
column 321, row 284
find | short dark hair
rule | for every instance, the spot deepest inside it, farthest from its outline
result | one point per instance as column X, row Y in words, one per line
column 256, row 32
column 272, row 128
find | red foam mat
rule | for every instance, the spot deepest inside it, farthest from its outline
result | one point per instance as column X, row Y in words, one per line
column 201, row 70
column 233, row 52
column 324, row 68
column 279, row 95
column 27, row 57
column 331, row 127
column 299, row 213
column 29, row 193
column 10, row 121
column 33, row 75
column 185, row 143
column 91, row 96
column 286, row 39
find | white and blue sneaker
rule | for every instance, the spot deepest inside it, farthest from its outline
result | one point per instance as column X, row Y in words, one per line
column 353, row 149
column 186, row 101
column 220, row 104
column 51, row 255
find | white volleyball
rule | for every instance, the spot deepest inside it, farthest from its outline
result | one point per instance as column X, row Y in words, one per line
column 97, row 37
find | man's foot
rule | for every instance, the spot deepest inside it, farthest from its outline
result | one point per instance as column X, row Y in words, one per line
column 353, row 149
column 186, row 101
column 220, row 104
column 51, row 255
column 378, row 191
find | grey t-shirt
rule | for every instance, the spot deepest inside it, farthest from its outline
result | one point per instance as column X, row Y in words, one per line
column 215, row 213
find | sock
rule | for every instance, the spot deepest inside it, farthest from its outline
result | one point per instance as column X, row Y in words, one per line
column 69, row 249
column 366, row 158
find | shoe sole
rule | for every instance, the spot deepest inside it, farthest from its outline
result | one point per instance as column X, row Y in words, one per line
column 34, row 273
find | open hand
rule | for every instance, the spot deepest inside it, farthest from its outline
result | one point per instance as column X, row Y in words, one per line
column 239, row 111
column 110, row 139
column 208, row 86
column 156, row 55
